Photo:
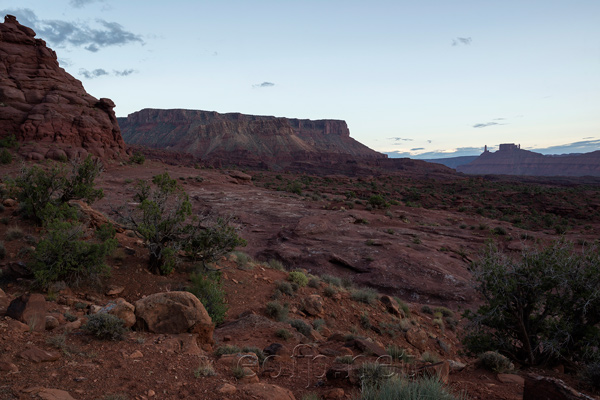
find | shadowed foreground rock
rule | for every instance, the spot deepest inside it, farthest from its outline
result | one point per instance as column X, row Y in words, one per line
column 47, row 109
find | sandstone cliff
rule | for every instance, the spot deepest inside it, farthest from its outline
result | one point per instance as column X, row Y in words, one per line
column 47, row 109
column 244, row 139
column 514, row 161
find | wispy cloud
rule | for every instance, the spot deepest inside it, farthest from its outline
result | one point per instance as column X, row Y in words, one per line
column 485, row 125
column 462, row 41
column 92, row 74
column 83, row 3
column 125, row 72
column 417, row 149
column 263, row 85
column 62, row 33
column 399, row 139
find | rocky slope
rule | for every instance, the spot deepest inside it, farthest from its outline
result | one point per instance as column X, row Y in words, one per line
column 244, row 139
column 46, row 108
column 515, row 161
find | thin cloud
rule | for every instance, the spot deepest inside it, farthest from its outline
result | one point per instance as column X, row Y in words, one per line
column 125, row 72
column 485, row 125
column 417, row 149
column 62, row 33
column 399, row 139
column 462, row 41
column 263, row 85
column 93, row 74
column 83, row 3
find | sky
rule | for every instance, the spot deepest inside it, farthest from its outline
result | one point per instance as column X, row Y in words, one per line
column 420, row 79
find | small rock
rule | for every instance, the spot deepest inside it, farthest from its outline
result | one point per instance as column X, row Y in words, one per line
column 511, row 378
column 456, row 365
column 249, row 376
column 51, row 322
column 334, row 394
column 9, row 203
column 151, row 393
column 265, row 391
column 227, row 388
column 369, row 347
column 29, row 309
column 17, row 326
column 115, row 290
column 54, row 394
column 136, row 354
column 37, row 355
column 8, row 367
column 391, row 305
column 313, row 304
column 121, row 309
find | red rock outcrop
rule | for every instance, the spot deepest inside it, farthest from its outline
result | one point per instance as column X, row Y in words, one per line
column 250, row 139
column 511, row 160
column 47, row 109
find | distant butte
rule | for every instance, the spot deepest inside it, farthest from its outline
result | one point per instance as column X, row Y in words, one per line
column 510, row 159
column 47, row 109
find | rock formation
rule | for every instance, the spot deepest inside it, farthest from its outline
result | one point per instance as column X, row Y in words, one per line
column 248, row 139
column 511, row 160
column 47, row 109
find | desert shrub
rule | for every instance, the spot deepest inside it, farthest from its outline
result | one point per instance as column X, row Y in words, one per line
column 445, row 312
column 499, row 231
column 332, row 280
column 397, row 353
column 345, row 359
column 9, row 142
column 275, row 264
column 540, row 306
column 6, row 156
column 209, row 241
column 238, row 372
column 590, row 375
column 242, row 259
column 365, row 321
column 367, row 296
column 301, row 326
column 260, row 355
column 106, row 326
column 227, row 349
column 430, row 357
column 14, row 233
column 283, row 334
column 439, row 322
column 205, row 368
column 373, row 374
column 209, row 290
column 403, row 306
column 284, row 287
column 426, row 310
column 310, row 396
column 495, row 362
column 378, row 201
column 298, row 278
column 43, row 194
column 62, row 255
column 277, row 311
column 398, row 388
column 318, row 324
column 314, row 282
column 329, row 291
column 137, row 158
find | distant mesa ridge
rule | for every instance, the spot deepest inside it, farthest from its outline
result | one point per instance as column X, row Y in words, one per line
column 47, row 109
column 510, row 159
column 272, row 140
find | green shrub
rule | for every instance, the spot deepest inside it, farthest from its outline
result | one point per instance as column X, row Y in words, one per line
column 365, row 322
column 367, row 296
column 209, row 290
column 495, row 362
column 403, row 306
column 211, row 241
column 373, row 375
column 444, row 311
column 6, row 156
column 426, row 310
column 329, row 291
column 397, row 388
column 62, row 255
column 44, row 194
column 137, row 158
column 283, row 334
column 332, row 280
column 430, row 357
column 378, row 201
column 298, row 278
column 205, row 368
column 277, row 310
column 540, row 306
column 499, row 231
column 284, row 287
column 238, row 372
column 318, row 324
column 106, row 326
column 398, row 354
column 227, row 349
column 301, row 326
column 9, row 142
column 314, row 282
column 345, row 359
column 275, row 264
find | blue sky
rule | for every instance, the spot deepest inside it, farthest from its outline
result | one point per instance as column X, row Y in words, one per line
column 421, row 78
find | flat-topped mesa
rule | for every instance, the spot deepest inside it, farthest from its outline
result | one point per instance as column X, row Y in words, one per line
column 47, row 109
column 243, row 139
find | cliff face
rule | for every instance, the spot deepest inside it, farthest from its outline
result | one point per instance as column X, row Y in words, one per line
column 514, row 161
column 44, row 106
column 245, row 139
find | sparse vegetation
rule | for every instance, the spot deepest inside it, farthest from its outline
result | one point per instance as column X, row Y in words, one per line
column 301, row 326
column 373, row 375
column 298, row 277
column 13, row 233
column 397, row 388
column 106, row 326
column 227, row 349
column 345, row 359
column 367, row 296
column 137, row 158
column 205, row 368
column 430, row 357
column 285, row 288
column 495, row 362
column 283, row 334
column 209, row 290
column 277, row 311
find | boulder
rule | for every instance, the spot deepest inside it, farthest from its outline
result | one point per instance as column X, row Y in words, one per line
column 417, row 338
column 391, row 305
column 175, row 312
column 313, row 305
column 369, row 347
column 38, row 355
column 29, row 309
column 266, row 391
